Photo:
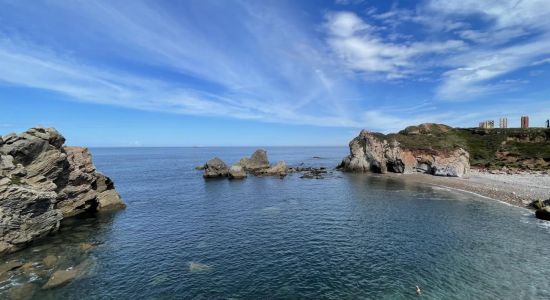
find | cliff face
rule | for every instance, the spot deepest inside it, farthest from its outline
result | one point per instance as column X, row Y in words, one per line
column 42, row 182
column 371, row 152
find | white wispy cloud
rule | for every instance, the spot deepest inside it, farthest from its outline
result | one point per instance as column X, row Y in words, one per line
column 361, row 49
column 469, row 59
column 275, row 73
column 259, row 61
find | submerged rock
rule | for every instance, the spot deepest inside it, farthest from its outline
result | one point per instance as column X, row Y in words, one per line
column 63, row 277
column 44, row 182
column 10, row 265
column 50, row 261
column 215, row 168
column 60, row 278
column 85, row 246
column 22, row 292
column 237, row 172
column 198, row 267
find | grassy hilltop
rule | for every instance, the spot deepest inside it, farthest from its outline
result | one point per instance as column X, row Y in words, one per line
column 491, row 148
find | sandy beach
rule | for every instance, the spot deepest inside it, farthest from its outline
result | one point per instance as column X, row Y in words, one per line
column 516, row 189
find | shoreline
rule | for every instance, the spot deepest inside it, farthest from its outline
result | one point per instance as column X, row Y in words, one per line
column 514, row 189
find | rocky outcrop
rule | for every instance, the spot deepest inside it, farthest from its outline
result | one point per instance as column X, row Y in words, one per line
column 279, row 169
column 237, row 172
column 543, row 213
column 42, row 182
column 215, row 168
column 258, row 161
column 371, row 152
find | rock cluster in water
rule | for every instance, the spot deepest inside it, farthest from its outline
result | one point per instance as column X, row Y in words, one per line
column 369, row 153
column 257, row 164
column 43, row 182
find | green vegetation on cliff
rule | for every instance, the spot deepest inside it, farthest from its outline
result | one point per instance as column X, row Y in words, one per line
column 493, row 148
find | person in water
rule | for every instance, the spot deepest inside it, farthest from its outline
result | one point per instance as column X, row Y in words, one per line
column 418, row 290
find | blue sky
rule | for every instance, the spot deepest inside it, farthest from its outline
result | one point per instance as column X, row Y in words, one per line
column 230, row 73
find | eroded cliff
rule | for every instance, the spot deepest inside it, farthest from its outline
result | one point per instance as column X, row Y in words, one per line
column 42, row 182
column 375, row 152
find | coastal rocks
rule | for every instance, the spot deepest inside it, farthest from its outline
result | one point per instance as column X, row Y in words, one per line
column 42, row 182
column 10, row 265
column 258, row 165
column 22, row 292
column 371, row 152
column 543, row 213
column 258, row 161
column 237, row 172
column 60, row 278
column 50, row 261
column 278, row 169
column 215, row 168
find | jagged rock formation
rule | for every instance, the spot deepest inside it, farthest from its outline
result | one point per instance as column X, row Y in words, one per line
column 42, row 182
column 258, row 161
column 215, row 168
column 257, row 164
column 371, row 152
column 278, row 169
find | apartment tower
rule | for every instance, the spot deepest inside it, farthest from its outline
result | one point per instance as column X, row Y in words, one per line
column 525, row 122
column 503, row 123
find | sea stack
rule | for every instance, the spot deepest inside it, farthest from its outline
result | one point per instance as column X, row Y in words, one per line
column 43, row 182
column 375, row 152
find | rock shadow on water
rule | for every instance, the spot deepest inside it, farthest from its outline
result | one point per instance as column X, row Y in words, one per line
column 197, row 267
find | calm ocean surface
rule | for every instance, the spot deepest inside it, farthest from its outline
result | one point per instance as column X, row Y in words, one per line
column 343, row 237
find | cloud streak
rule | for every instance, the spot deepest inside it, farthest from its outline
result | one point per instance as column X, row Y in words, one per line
column 276, row 61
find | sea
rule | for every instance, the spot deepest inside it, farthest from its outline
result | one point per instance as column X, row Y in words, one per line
column 344, row 236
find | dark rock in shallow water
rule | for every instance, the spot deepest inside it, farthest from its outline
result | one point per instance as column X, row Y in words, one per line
column 543, row 213
column 215, row 168
column 538, row 204
column 44, row 182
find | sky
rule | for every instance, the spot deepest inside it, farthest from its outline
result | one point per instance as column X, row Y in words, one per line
column 268, row 73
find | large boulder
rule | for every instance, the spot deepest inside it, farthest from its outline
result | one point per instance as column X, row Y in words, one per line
column 215, row 168
column 258, row 161
column 279, row 169
column 42, row 182
column 237, row 172
column 371, row 152
column 543, row 213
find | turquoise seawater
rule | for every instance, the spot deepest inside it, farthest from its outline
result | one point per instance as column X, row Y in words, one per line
column 348, row 236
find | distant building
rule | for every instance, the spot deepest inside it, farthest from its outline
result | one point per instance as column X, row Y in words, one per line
column 487, row 124
column 547, row 123
column 503, row 123
column 525, row 122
